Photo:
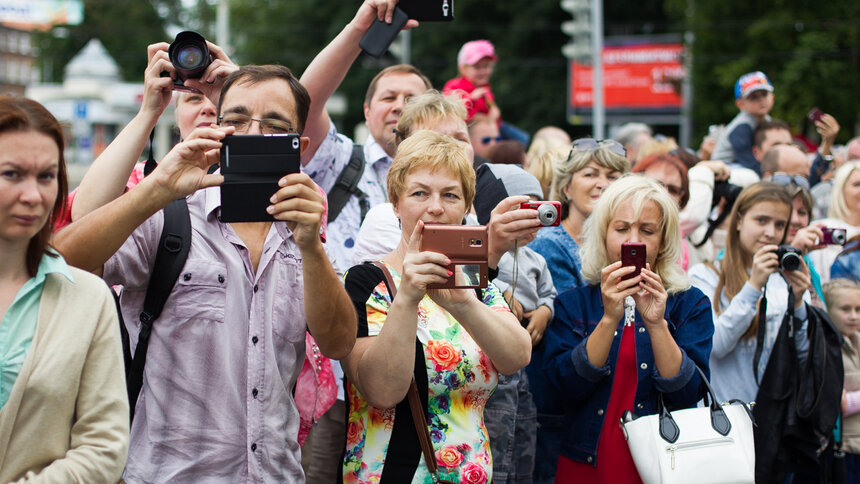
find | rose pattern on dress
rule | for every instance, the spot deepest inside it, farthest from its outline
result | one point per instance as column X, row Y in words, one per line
column 460, row 379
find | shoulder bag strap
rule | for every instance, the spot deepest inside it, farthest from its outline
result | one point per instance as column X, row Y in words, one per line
column 418, row 413
column 173, row 248
column 346, row 185
column 762, row 329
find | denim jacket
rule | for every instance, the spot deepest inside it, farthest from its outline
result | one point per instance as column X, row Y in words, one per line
column 583, row 390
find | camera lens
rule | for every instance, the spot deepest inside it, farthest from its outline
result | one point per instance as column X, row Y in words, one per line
column 189, row 54
column 189, row 57
column 790, row 261
column 839, row 237
column 547, row 214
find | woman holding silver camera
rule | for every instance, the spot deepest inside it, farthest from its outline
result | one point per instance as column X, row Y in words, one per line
column 578, row 181
column 454, row 342
column 754, row 266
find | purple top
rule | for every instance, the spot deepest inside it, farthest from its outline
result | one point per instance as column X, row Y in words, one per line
column 216, row 403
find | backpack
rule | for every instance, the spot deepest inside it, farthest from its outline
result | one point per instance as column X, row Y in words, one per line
column 346, row 185
column 173, row 247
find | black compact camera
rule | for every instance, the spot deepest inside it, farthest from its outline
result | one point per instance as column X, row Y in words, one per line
column 189, row 54
column 252, row 166
column 789, row 257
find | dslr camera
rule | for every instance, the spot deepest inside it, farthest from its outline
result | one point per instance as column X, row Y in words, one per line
column 833, row 236
column 466, row 246
column 549, row 213
column 789, row 257
column 252, row 166
column 189, row 54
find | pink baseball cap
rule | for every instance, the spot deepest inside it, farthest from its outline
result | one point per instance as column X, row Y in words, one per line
column 473, row 51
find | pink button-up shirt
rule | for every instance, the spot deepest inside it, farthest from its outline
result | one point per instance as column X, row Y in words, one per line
column 216, row 403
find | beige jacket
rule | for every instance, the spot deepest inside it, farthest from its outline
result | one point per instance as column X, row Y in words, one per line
column 851, row 363
column 66, row 420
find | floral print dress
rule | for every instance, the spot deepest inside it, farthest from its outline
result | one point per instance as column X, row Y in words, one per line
column 460, row 379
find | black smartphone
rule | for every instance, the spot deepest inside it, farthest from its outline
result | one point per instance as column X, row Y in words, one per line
column 252, row 166
column 428, row 10
column 380, row 35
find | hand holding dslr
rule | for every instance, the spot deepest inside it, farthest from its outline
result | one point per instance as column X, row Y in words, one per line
column 765, row 262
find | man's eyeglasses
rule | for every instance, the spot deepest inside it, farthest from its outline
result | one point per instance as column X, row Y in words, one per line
column 242, row 123
column 490, row 139
column 590, row 144
column 788, row 180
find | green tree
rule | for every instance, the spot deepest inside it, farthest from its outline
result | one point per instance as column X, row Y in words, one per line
column 125, row 28
column 810, row 51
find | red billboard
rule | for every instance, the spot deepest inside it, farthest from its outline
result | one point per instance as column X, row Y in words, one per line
column 639, row 77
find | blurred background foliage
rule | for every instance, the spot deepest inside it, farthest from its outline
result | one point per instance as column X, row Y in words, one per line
column 810, row 50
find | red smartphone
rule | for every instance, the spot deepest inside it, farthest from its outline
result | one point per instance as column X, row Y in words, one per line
column 814, row 115
column 633, row 254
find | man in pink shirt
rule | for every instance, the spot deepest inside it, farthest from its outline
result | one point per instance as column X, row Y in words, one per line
column 216, row 403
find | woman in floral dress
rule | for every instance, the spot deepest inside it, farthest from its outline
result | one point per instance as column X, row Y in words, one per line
column 453, row 342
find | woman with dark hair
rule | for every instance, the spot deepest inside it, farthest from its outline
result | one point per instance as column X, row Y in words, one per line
column 63, row 404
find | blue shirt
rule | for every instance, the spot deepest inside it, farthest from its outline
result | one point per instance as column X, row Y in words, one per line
column 562, row 257
column 580, row 391
column 19, row 323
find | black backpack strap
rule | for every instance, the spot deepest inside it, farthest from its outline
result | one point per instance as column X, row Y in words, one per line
column 346, row 185
column 170, row 257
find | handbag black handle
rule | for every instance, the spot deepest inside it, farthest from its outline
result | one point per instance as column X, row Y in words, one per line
column 669, row 430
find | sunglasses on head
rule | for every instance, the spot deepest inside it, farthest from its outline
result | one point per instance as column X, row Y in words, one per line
column 788, row 180
column 490, row 139
column 590, row 144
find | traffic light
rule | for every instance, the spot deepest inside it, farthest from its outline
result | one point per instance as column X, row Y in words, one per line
column 579, row 29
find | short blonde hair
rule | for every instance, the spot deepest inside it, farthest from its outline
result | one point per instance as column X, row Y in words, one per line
column 637, row 189
column 542, row 156
column 423, row 109
column 429, row 149
column 829, row 290
column 838, row 208
column 577, row 159
column 656, row 146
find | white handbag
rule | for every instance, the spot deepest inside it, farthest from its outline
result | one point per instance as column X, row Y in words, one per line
column 704, row 445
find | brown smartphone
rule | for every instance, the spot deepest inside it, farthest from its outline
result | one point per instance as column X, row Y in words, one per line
column 466, row 246
column 633, row 254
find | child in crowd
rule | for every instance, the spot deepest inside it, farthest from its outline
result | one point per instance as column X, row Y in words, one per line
column 754, row 99
column 475, row 63
column 843, row 305
column 510, row 414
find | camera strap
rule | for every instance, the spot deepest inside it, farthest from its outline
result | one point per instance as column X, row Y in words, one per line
column 762, row 324
column 346, row 186
column 150, row 159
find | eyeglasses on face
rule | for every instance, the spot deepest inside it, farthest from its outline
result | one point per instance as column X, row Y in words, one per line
column 242, row 123
column 591, row 144
column 490, row 139
column 788, row 180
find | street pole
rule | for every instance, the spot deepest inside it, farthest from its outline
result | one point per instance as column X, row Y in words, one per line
column 222, row 25
column 406, row 45
column 598, row 109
